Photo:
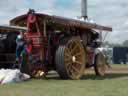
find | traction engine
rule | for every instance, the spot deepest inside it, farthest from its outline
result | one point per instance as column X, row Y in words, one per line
column 65, row 45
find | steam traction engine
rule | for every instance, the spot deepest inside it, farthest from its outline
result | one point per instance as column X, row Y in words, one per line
column 65, row 45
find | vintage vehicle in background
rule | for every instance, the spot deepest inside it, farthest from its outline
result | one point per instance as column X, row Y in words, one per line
column 68, row 46
column 8, row 36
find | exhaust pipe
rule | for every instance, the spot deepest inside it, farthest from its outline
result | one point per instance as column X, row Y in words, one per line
column 84, row 9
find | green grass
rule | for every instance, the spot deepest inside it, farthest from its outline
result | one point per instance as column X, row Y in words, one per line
column 119, row 65
column 66, row 88
column 89, row 85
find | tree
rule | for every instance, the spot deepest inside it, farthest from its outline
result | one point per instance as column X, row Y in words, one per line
column 108, row 44
column 125, row 43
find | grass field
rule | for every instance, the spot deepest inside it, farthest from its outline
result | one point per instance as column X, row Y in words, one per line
column 113, row 84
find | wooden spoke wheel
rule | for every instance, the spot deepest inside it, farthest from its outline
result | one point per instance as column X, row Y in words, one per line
column 70, row 59
column 100, row 64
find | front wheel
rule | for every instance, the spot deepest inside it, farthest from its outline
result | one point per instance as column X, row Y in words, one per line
column 100, row 64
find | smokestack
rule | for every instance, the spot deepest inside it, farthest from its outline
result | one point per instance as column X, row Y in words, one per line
column 84, row 9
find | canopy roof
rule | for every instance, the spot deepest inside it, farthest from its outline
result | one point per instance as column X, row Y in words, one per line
column 22, row 20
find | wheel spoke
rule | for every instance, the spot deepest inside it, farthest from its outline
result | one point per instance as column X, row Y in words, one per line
column 78, row 62
column 75, row 69
column 68, row 55
column 78, row 54
column 68, row 60
column 72, row 70
column 75, row 47
column 67, row 51
column 70, row 45
column 68, row 63
column 72, row 73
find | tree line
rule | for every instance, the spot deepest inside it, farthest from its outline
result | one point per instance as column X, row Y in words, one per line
column 108, row 44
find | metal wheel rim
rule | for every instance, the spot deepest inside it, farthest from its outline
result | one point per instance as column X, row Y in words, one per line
column 74, row 58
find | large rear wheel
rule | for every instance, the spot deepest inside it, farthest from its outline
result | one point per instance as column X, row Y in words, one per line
column 70, row 59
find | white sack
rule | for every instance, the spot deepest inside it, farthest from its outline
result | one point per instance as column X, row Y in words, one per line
column 11, row 76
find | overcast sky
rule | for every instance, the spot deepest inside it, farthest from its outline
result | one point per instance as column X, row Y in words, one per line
column 105, row 12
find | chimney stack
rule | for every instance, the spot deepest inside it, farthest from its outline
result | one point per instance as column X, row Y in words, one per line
column 84, row 9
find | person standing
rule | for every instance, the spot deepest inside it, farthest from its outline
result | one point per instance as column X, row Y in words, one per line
column 20, row 48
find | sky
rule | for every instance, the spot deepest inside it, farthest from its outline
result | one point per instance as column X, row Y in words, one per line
column 111, row 13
